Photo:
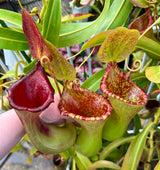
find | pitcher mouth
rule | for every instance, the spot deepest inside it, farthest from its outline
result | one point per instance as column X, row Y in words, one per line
column 117, row 84
column 83, row 104
column 33, row 92
column 143, row 22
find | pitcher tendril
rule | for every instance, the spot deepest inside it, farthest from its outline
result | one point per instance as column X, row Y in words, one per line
column 137, row 64
column 16, row 68
column 85, row 60
column 74, row 55
column 20, row 4
column 34, row 11
column 45, row 62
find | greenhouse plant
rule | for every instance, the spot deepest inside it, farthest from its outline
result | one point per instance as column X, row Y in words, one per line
column 110, row 119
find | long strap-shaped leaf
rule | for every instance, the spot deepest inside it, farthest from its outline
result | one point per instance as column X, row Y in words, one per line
column 150, row 46
column 93, row 82
column 70, row 33
column 108, row 19
column 14, row 18
column 82, row 34
column 104, row 164
column 11, row 17
column 117, row 14
column 134, row 152
column 12, row 40
column 113, row 145
column 52, row 21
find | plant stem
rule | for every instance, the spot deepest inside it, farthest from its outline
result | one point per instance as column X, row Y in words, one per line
column 112, row 146
column 20, row 4
column 151, row 62
column 74, row 55
column 7, row 84
column 16, row 68
column 147, row 165
column 58, row 88
column 20, row 57
column 158, row 85
column 1, row 89
column 137, row 14
column 73, row 164
column 45, row 3
column 25, row 56
column 85, row 60
column 47, row 63
column 96, row 9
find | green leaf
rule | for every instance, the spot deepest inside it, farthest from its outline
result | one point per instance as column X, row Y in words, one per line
column 82, row 161
column 157, row 166
column 29, row 67
column 74, row 164
column 66, row 154
column 118, row 45
column 140, row 3
column 153, row 74
column 14, row 18
column 54, row 85
column 62, row 69
column 75, row 17
column 52, row 22
column 104, row 164
column 117, row 14
column 12, row 40
column 69, row 28
column 137, row 124
column 16, row 148
column 93, row 82
column 110, row 18
column 29, row 160
column 115, row 144
column 135, row 149
column 96, row 40
column 26, row 138
column 33, row 150
column 8, row 74
column 36, row 42
column 83, row 33
column 11, row 17
column 137, row 76
column 150, row 46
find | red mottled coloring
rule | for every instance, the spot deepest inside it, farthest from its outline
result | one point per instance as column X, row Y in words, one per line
column 82, row 103
column 118, row 45
column 118, row 85
column 36, row 41
column 126, row 99
column 90, row 110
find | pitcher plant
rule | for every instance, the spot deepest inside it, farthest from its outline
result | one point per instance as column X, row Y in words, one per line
column 126, row 98
column 90, row 110
column 30, row 96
